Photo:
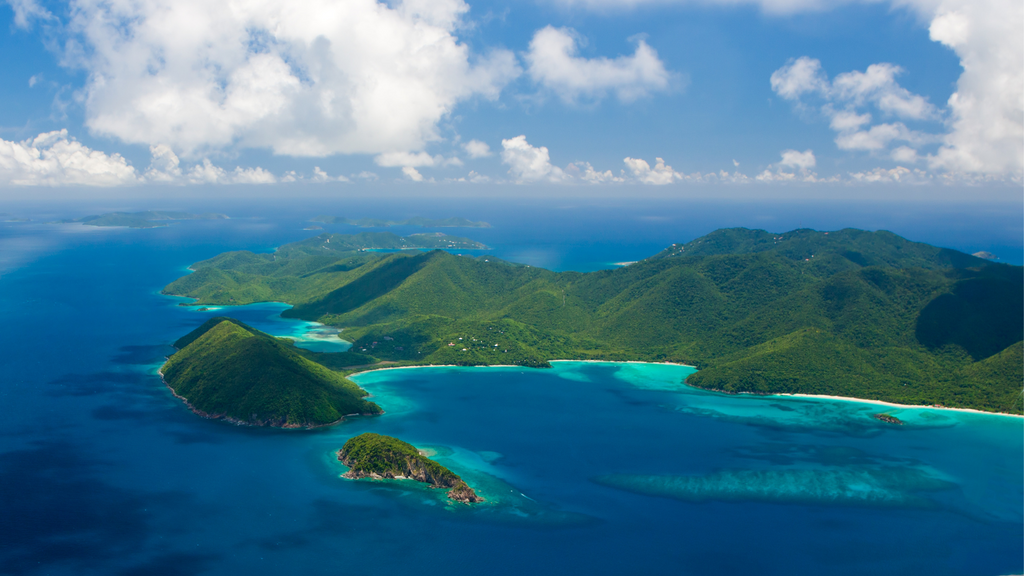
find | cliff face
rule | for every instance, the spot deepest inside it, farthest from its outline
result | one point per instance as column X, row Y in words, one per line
column 372, row 455
column 463, row 493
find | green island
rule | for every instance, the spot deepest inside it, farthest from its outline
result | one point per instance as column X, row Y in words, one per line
column 227, row 370
column 147, row 219
column 371, row 455
column 848, row 313
column 454, row 222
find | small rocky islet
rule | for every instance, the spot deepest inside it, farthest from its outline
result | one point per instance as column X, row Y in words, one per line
column 889, row 419
column 376, row 456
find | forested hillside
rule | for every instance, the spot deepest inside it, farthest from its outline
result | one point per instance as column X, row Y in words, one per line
column 866, row 314
column 226, row 369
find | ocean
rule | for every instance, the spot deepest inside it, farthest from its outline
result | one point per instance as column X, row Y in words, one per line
column 595, row 468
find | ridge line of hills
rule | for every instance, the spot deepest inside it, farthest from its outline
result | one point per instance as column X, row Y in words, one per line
column 848, row 313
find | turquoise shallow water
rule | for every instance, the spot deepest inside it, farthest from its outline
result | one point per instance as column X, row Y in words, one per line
column 862, row 466
column 587, row 467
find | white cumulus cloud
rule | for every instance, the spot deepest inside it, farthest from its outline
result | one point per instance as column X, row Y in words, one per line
column 552, row 61
column 769, row 6
column 585, row 172
column 53, row 159
column 528, row 163
column 985, row 116
column 660, row 174
column 477, row 149
column 401, row 159
column 877, row 86
column 987, row 109
column 311, row 78
column 848, row 93
column 412, row 174
column 800, row 160
column 879, row 137
column 25, row 11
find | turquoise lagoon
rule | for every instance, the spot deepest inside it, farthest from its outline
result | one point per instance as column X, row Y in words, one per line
column 597, row 468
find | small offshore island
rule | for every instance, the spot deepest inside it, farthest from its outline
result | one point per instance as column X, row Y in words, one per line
column 227, row 370
column 371, row 455
column 147, row 219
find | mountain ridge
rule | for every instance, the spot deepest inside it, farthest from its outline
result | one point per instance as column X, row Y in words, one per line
column 854, row 313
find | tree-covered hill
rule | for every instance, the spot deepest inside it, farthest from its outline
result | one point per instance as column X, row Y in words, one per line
column 866, row 314
column 371, row 455
column 225, row 369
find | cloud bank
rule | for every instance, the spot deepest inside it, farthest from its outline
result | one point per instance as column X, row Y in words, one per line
column 54, row 159
column 312, row 78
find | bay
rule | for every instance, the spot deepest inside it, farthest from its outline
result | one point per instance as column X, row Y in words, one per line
column 596, row 467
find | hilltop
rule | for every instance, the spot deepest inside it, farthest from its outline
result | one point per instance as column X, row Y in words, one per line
column 849, row 313
column 371, row 455
column 226, row 369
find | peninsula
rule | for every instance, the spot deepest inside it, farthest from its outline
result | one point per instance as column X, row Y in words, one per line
column 147, row 219
column 227, row 370
column 844, row 313
column 371, row 455
column 454, row 222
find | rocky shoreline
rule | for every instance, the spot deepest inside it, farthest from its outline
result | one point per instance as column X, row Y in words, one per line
column 237, row 422
column 387, row 464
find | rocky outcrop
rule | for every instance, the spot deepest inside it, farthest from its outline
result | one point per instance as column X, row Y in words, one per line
column 463, row 493
column 889, row 419
column 375, row 456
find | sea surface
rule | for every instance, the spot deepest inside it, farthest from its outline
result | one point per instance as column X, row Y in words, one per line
column 598, row 468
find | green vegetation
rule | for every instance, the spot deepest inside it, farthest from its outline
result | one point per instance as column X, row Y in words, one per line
column 372, row 455
column 148, row 219
column 454, row 222
column 851, row 313
column 225, row 369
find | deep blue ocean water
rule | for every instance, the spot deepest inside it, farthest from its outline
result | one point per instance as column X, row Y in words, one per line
column 586, row 467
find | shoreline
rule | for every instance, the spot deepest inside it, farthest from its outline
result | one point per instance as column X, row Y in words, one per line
column 627, row 362
column 780, row 395
column 892, row 404
column 515, row 365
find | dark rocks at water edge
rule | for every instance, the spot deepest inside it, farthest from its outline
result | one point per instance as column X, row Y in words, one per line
column 376, row 456
column 889, row 419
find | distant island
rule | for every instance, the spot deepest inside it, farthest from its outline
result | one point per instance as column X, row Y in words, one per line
column 845, row 313
column 418, row 221
column 147, row 219
column 372, row 455
column 227, row 370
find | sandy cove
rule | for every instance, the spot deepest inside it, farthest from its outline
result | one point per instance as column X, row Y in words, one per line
column 811, row 396
column 894, row 405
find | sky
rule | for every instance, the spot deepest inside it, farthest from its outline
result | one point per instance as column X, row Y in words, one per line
column 676, row 95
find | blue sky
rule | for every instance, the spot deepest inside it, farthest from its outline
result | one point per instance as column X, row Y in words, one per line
column 570, row 92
